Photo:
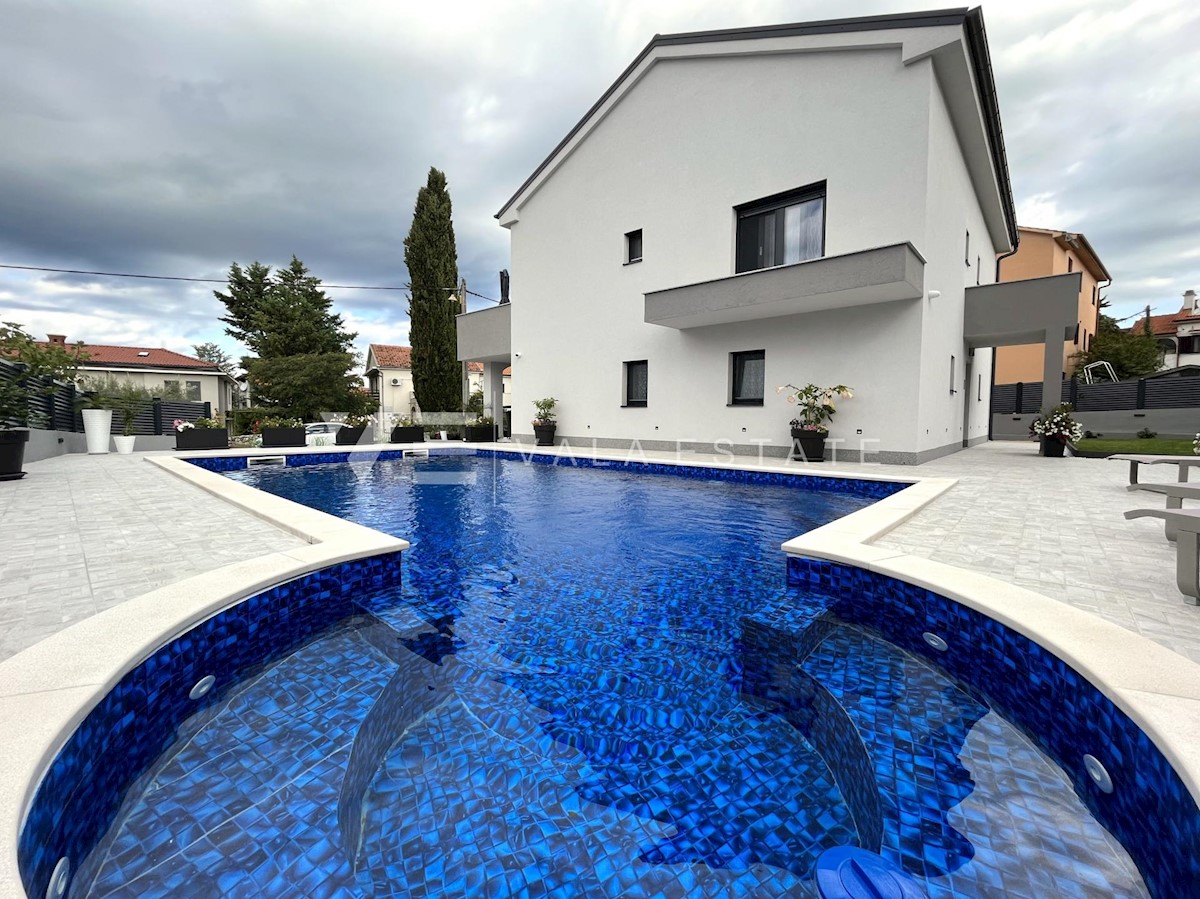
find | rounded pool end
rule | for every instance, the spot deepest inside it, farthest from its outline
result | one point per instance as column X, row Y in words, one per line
column 848, row 872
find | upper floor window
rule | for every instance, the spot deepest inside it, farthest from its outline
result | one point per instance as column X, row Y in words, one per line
column 1070, row 265
column 782, row 229
column 636, row 383
column 749, row 377
column 633, row 246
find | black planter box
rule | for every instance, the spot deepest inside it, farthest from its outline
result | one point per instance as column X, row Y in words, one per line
column 808, row 446
column 349, row 436
column 202, row 439
column 481, row 433
column 408, row 434
column 12, row 454
column 544, row 434
column 283, row 437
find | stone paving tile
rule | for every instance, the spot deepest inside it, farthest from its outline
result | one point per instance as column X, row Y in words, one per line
column 84, row 533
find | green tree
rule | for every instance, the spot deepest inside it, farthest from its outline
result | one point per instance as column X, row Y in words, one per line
column 247, row 289
column 432, row 260
column 303, row 357
column 1131, row 353
column 214, row 355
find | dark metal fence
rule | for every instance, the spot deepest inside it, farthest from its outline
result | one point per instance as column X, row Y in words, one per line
column 1144, row 393
column 61, row 409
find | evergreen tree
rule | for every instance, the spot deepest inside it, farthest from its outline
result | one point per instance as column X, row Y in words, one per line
column 214, row 355
column 303, row 357
column 432, row 260
column 247, row 289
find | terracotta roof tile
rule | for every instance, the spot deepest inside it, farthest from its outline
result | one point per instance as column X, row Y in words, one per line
column 389, row 356
column 1165, row 324
column 155, row 357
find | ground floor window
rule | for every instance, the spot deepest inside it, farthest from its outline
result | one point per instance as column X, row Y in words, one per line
column 636, row 383
column 192, row 390
column 749, row 377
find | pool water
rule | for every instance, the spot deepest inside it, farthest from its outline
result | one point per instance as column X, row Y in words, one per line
column 592, row 683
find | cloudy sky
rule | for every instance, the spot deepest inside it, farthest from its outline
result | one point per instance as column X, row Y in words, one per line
column 174, row 138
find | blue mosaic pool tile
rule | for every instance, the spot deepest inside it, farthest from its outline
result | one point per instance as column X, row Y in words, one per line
column 137, row 721
column 1151, row 811
column 219, row 463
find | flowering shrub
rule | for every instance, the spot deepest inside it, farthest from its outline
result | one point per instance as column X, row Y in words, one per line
column 1057, row 425
column 1196, row 445
column 817, row 405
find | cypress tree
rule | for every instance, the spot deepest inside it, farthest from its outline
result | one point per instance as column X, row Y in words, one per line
column 432, row 260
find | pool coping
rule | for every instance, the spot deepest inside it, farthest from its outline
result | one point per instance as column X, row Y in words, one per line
column 47, row 689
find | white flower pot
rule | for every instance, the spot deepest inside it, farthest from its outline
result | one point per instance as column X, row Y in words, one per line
column 124, row 444
column 97, row 425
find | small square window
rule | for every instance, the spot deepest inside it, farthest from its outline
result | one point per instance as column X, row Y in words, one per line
column 633, row 246
column 749, row 376
column 192, row 390
column 636, row 383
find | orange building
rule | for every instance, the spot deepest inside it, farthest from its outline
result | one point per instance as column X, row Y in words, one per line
column 1041, row 253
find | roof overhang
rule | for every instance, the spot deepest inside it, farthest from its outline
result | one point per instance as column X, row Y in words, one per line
column 953, row 39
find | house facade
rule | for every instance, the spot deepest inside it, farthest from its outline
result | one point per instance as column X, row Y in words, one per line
column 752, row 208
column 155, row 368
column 1177, row 333
column 389, row 378
column 1044, row 252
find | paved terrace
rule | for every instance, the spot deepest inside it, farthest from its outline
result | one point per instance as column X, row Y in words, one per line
column 84, row 533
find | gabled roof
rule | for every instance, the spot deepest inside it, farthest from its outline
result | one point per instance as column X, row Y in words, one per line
column 1165, row 325
column 1069, row 240
column 971, row 20
column 102, row 355
column 390, row 356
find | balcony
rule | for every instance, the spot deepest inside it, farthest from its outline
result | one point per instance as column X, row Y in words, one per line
column 485, row 335
column 879, row 275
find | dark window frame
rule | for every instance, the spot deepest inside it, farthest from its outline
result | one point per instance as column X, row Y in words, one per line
column 816, row 191
column 630, row 259
column 967, row 249
column 737, row 363
column 978, row 270
column 636, row 403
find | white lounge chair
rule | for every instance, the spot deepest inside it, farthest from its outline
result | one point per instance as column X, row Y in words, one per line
column 1175, row 494
column 1185, row 464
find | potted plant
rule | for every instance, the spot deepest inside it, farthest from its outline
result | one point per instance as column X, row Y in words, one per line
column 201, row 434
column 405, row 431
column 127, row 399
column 482, row 430
column 97, row 415
column 352, row 429
column 543, row 421
column 27, row 377
column 809, row 427
column 1056, row 429
column 277, row 431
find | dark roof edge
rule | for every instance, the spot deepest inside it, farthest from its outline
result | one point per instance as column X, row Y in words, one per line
column 981, row 60
column 827, row 26
column 199, row 369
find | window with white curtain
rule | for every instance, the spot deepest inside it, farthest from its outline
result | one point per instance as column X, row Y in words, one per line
column 782, row 229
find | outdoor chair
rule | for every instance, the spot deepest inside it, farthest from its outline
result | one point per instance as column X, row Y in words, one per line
column 1175, row 494
column 1184, row 464
column 1186, row 525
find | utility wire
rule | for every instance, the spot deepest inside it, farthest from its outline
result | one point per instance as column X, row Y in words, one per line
column 75, row 271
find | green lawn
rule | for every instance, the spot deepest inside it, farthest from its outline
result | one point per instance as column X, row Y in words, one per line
column 1158, row 446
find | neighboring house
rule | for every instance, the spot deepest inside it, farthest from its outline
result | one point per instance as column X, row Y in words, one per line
column 1045, row 252
column 155, row 367
column 750, row 208
column 389, row 378
column 1177, row 333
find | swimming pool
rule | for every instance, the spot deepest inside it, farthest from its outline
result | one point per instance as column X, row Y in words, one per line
column 592, row 682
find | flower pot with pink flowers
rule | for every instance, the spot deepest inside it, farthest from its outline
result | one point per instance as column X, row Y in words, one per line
column 816, row 407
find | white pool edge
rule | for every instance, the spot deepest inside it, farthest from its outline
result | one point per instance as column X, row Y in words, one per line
column 48, row 689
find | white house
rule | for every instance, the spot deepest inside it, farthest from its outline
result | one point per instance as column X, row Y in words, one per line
column 744, row 209
column 155, row 367
column 1178, row 333
column 389, row 378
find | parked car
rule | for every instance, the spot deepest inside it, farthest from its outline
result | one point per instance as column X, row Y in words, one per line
column 321, row 433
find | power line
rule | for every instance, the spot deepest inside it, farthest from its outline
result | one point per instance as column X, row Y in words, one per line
column 76, row 271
